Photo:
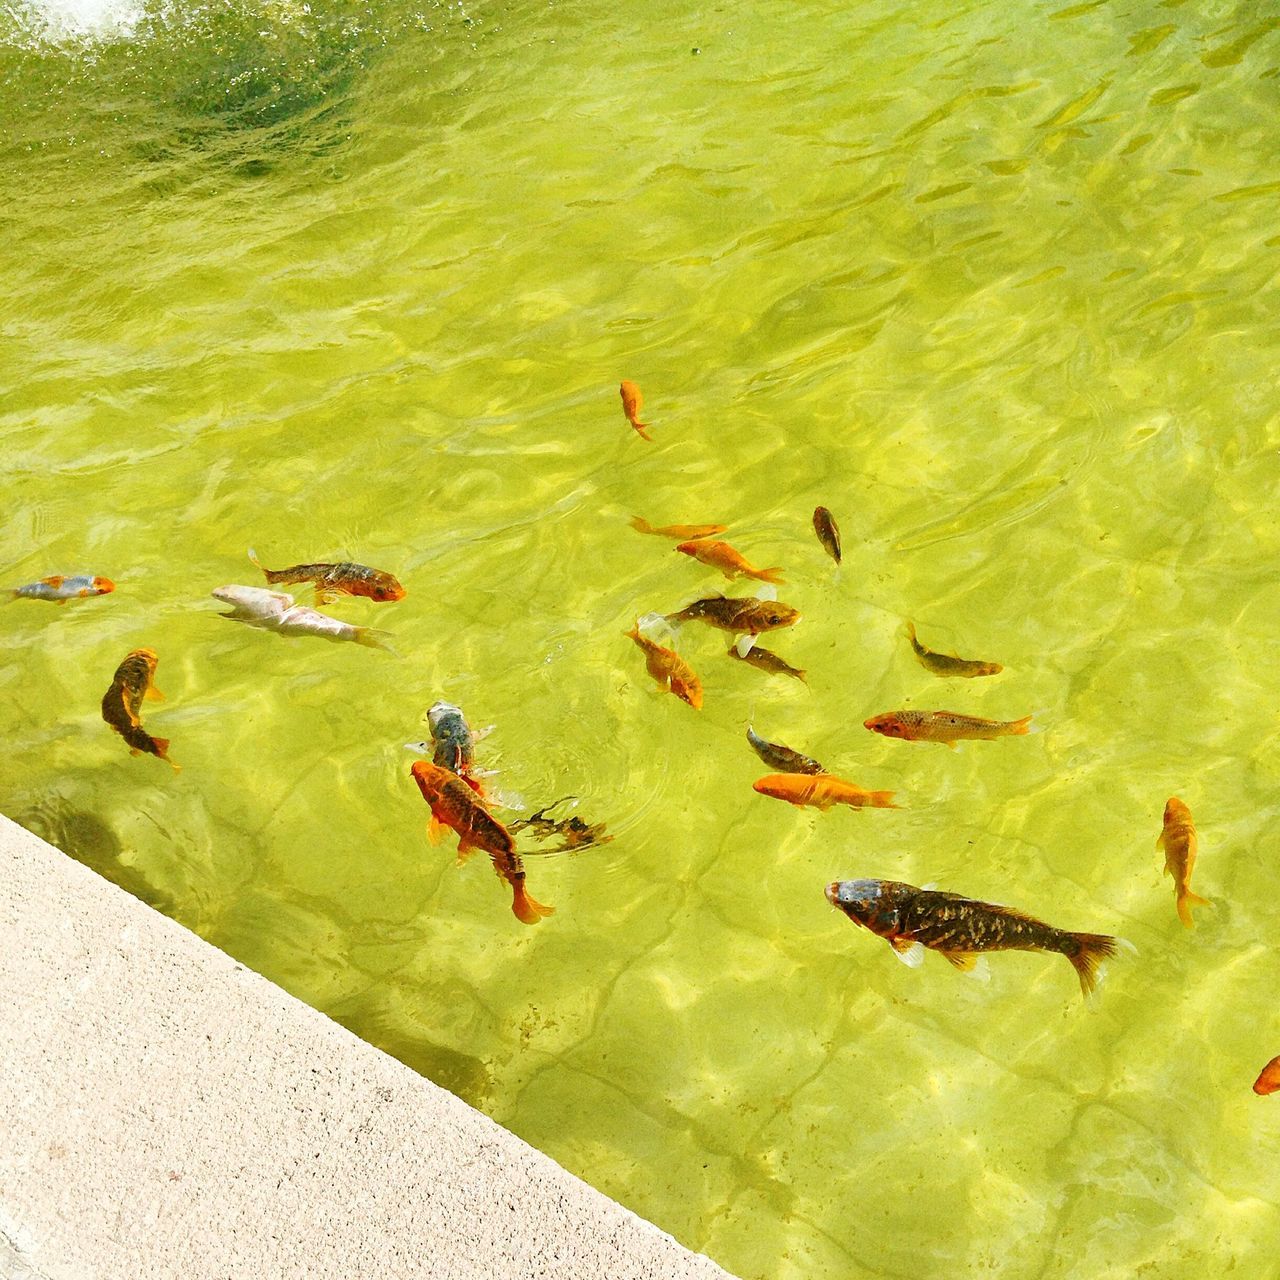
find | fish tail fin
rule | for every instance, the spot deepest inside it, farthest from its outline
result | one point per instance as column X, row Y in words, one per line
column 526, row 909
column 911, row 632
column 1187, row 900
column 883, row 800
column 13, row 593
column 642, row 430
column 772, row 574
column 641, row 525
column 372, row 638
column 270, row 576
column 1091, row 949
column 1022, row 726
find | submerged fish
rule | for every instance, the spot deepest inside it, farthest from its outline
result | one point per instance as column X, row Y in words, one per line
column 334, row 580
column 824, row 525
column 452, row 739
column 680, row 532
column 669, row 669
column 121, row 703
column 1178, row 840
column 942, row 726
column 1269, row 1080
column 60, row 589
column 456, row 805
column 943, row 664
column 730, row 562
column 764, row 660
column 776, row 756
column 631, row 402
column 911, row 919
column 821, row 790
column 739, row 613
column 276, row 611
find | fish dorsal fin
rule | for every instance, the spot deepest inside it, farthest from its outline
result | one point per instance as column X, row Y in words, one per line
column 910, row 953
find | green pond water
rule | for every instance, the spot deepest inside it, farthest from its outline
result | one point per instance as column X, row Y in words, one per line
column 995, row 283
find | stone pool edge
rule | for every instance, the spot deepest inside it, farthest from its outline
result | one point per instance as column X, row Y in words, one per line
column 166, row 1112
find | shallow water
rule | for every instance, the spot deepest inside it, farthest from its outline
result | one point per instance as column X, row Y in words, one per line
column 996, row 285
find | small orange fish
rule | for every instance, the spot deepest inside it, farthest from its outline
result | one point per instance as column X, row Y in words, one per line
column 456, row 805
column 1269, row 1080
column 821, row 790
column 1178, row 840
column 942, row 726
column 720, row 555
column 669, row 669
column 631, row 402
column 680, row 532
column 121, row 703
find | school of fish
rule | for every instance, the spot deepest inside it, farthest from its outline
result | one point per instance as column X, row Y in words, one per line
column 912, row 920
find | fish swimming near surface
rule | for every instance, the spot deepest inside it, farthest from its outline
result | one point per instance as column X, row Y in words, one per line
column 60, row 588
column 276, row 611
column 780, row 757
column 669, row 669
column 821, row 790
column 766, row 660
column 453, row 743
column 456, row 805
column 1178, row 840
column 730, row 562
column 632, row 400
column 943, row 664
column 943, row 726
column 133, row 683
column 824, row 525
column 1269, row 1080
column 911, row 919
column 739, row 613
column 334, row 580
column 680, row 532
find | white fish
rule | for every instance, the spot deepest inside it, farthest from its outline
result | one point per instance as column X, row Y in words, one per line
column 276, row 611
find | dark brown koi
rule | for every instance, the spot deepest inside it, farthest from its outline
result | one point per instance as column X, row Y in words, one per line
column 334, row 580
column 776, row 756
column 824, row 525
column 764, row 660
column 122, row 702
column 944, row 664
column 739, row 613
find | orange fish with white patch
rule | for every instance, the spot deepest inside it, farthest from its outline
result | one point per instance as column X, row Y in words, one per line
column 1178, row 840
column 730, row 562
column 631, row 402
column 821, row 790
column 669, row 669
column 454, row 804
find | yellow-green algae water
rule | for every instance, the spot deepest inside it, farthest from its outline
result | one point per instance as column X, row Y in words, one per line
column 995, row 283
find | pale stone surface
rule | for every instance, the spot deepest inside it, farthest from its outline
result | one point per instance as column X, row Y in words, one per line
column 165, row 1112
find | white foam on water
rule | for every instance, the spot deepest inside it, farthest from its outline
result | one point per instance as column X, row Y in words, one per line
column 79, row 19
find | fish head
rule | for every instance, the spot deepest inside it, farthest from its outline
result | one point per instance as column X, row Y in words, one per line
column 103, row 586
column 865, row 902
column 773, row 614
column 440, row 712
column 252, row 601
column 1175, row 811
column 430, row 778
column 385, row 587
column 888, row 724
column 688, row 548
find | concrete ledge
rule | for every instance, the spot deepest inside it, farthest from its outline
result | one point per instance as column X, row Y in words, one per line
column 164, row 1112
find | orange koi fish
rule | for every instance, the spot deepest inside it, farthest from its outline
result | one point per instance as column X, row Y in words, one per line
column 1178, row 840
column 942, row 726
column 680, row 532
column 822, row 790
column 456, row 805
column 121, row 702
column 60, row 588
column 1269, row 1080
column 824, row 525
column 720, row 555
column 631, row 402
column 944, row 664
column 669, row 669
column 911, row 919
column 334, row 580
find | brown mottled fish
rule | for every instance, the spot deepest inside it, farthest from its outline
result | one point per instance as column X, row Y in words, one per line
column 911, row 919
column 943, row 664
column 1178, row 840
column 780, row 757
column 739, row 613
column 122, row 702
column 942, row 726
column 824, row 525
column 765, row 660
column 334, row 580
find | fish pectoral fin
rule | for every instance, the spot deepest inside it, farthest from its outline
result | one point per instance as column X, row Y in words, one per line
column 465, row 850
column 154, row 694
column 435, row 830
column 910, row 953
column 1160, row 841
column 743, row 644
column 965, row 960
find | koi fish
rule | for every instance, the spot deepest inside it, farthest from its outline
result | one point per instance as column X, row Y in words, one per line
column 739, row 613
column 943, row 664
column 824, row 525
column 334, row 580
column 60, row 589
column 133, row 683
column 455, row 805
column 942, row 726
column 453, row 744
column 911, row 919
column 681, row 532
column 1178, row 840
column 1269, row 1080
column 764, row 660
column 276, row 611
column 822, row 790
column 631, row 402
column 779, row 757
column 720, row 555
column 669, row 669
